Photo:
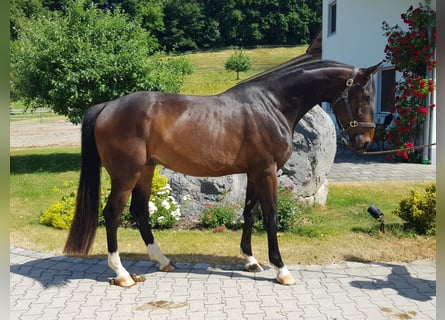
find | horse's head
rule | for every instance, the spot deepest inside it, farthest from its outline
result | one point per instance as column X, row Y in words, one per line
column 354, row 109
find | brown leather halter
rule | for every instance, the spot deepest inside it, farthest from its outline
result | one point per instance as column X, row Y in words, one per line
column 344, row 95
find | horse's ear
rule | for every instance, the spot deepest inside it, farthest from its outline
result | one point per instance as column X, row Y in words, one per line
column 369, row 72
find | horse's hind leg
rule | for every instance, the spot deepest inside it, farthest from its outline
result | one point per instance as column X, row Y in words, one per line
column 250, row 212
column 117, row 200
column 139, row 211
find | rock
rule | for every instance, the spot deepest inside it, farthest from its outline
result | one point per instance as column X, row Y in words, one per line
column 314, row 148
column 314, row 145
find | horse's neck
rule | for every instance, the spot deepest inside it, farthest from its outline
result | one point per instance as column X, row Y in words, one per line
column 301, row 93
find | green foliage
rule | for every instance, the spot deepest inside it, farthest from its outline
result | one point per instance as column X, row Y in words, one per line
column 419, row 210
column 60, row 214
column 216, row 216
column 182, row 25
column 238, row 62
column 288, row 210
column 69, row 61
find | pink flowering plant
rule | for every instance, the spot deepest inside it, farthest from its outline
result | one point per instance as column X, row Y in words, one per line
column 411, row 51
column 219, row 217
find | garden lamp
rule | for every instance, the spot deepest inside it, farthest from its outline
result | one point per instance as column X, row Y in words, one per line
column 378, row 215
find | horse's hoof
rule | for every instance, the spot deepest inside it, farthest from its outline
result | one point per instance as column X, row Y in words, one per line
column 286, row 280
column 137, row 278
column 167, row 268
column 253, row 267
column 124, row 282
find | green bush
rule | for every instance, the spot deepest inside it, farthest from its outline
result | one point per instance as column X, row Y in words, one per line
column 164, row 210
column 60, row 214
column 287, row 208
column 218, row 217
column 419, row 210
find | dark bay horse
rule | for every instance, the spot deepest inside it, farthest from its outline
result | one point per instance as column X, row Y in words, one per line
column 246, row 129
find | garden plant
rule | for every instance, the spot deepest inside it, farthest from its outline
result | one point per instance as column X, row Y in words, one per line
column 412, row 52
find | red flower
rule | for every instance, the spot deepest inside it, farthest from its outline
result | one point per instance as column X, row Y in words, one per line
column 405, row 129
column 422, row 110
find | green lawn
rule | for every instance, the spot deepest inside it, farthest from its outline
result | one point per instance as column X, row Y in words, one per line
column 210, row 77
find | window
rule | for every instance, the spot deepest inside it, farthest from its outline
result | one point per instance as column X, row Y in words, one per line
column 332, row 22
column 386, row 89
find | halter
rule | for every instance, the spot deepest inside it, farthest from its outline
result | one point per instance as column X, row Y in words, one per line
column 352, row 123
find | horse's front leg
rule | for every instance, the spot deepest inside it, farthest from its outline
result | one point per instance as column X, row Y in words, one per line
column 268, row 200
column 250, row 213
column 140, row 213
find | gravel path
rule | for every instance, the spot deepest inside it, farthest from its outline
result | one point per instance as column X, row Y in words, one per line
column 55, row 131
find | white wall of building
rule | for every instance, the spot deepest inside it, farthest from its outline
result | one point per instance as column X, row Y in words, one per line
column 359, row 39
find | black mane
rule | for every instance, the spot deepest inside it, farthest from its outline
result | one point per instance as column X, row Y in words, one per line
column 292, row 66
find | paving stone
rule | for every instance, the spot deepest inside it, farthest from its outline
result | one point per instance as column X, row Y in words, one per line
column 330, row 292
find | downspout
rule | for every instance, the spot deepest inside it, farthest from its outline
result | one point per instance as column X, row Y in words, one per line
column 432, row 115
column 426, row 153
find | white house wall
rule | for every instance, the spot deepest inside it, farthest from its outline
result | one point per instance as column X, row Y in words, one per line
column 359, row 38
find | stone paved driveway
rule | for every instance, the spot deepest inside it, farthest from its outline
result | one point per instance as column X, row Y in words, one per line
column 47, row 287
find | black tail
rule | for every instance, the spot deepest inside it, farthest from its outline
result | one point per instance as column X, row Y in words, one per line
column 86, row 216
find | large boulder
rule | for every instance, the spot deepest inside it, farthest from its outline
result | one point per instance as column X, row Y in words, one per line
column 314, row 145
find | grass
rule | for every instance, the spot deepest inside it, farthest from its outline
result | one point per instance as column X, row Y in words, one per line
column 209, row 76
column 341, row 230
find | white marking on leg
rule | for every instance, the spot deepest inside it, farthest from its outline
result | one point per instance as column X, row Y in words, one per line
column 155, row 254
column 251, row 261
column 114, row 262
column 282, row 272
column 284, row 276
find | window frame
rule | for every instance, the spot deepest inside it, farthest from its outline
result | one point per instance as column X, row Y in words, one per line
column 332, row 18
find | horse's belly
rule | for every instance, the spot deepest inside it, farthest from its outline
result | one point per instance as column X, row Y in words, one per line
column 201, row 166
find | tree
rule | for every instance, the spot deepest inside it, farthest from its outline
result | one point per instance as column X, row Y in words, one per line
column 20, row 10
column 69, row 61
column 238, row 62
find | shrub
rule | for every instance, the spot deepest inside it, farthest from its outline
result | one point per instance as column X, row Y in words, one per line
column 60, row 214
column 163, row 208
column 419, row 210
column 216, row 216
column 287, row 208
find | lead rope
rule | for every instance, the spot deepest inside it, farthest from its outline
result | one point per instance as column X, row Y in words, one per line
column 397, row 150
